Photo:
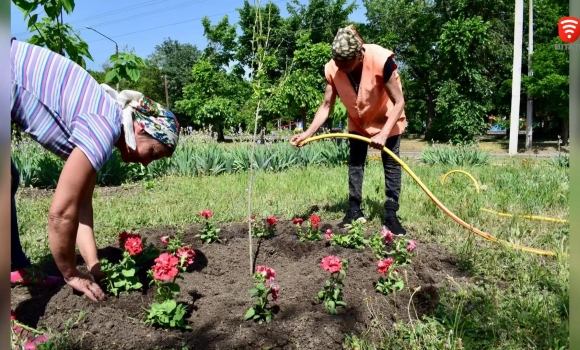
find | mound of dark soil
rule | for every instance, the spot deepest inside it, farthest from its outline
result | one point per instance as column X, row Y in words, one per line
column 216, row 289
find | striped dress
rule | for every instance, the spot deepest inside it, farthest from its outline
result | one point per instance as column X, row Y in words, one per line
column 61, row 106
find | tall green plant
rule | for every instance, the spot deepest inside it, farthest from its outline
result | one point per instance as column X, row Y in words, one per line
column 125, row 66
column 51, row 31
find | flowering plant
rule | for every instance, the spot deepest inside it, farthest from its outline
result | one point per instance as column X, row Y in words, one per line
column 166, row 311
column 353, row 239
column 261, row 230
column 332, row 292
column 403, row 251
column 122, row 277
column 378, row 242
column 312, row 231
column 264, row 277
column 209, row 233
column 393, row 281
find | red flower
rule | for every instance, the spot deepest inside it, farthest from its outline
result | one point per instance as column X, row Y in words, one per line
column 253, row 217
column 384, row 264
column 275, row 290
column 123, row 236
column 387, row 234
column 314, row 220
column 164, row 239
column 328, row 234
column 134, row 245
column 269, row 273
column 186, row 255
column 165, row 267
column 271, row 221
column 206, row 213
column 411, row 245
column 297, row 221
column 331, row 264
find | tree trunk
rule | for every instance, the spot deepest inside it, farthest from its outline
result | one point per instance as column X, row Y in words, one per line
column 220, row 132
column 564, row 131
column 430, row 115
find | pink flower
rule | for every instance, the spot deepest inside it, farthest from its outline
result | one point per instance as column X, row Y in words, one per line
column 328, row 234
column 165, row 267
column 123, row 236
column 134, row 245
column 271, row 221
column 164, row 239
column 206, row 213
column 297, row 221
column 331, row 263
column 384, row 264
column 253, row 217
column 275, row 290
column 411, row 245
column 387, row 234
column 269, row 273
column 186, row 255
column 315, row 220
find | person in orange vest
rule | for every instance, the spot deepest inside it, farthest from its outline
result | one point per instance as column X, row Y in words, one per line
column 365, row 78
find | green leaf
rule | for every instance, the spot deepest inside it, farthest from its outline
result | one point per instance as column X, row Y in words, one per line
column 68, row 5
column 128, row 273
column 32, row 20
column 249, row 314
column 110, row 76
column 321, row 295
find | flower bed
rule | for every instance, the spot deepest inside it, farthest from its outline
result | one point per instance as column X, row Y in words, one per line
column 201, row 295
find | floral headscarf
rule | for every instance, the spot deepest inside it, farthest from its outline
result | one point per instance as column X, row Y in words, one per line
column 155, row 119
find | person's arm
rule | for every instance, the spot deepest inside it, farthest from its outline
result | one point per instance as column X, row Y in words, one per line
column 86, row 238
column 75, row 186
column 393, row 115
column 324, row 110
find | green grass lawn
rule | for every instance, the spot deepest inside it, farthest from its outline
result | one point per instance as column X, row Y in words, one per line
column 520, row 300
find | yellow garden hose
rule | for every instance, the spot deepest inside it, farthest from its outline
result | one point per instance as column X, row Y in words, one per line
column 432, row 197
column 531, row 217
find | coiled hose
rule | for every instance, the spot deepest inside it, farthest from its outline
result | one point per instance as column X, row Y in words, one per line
column 433, row 198
column 531, row 217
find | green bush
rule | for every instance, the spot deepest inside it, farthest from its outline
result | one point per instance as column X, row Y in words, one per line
column 461, row 155
column 40, row 168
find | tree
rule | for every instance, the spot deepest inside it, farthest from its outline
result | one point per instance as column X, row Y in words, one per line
column 442, row 62
column 302, row 92
column 549, row 84
column 51, row 31
column 215, row 95
column 174, row 60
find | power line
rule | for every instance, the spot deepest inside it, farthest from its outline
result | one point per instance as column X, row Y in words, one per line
column 173, row 24
column 145, row 4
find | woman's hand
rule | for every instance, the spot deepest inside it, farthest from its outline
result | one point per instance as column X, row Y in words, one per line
column 96, row 272
column 296, row 139
column 84, row 283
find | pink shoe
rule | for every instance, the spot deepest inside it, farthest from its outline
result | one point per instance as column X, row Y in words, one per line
column 32, row 275
column 23, row 338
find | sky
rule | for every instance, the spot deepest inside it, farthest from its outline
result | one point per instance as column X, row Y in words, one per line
column 142, row 24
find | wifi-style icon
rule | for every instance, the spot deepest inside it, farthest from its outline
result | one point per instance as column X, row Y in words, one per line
column 569, row 29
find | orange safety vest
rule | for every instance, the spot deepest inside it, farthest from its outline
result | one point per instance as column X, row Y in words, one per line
column 367, row 111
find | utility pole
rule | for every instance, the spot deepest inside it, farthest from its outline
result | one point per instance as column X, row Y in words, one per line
column 166, row 93
column 116, row 45
column 530, row 109
column 516, row 77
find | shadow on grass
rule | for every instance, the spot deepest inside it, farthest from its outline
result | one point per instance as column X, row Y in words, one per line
column 371, row 208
